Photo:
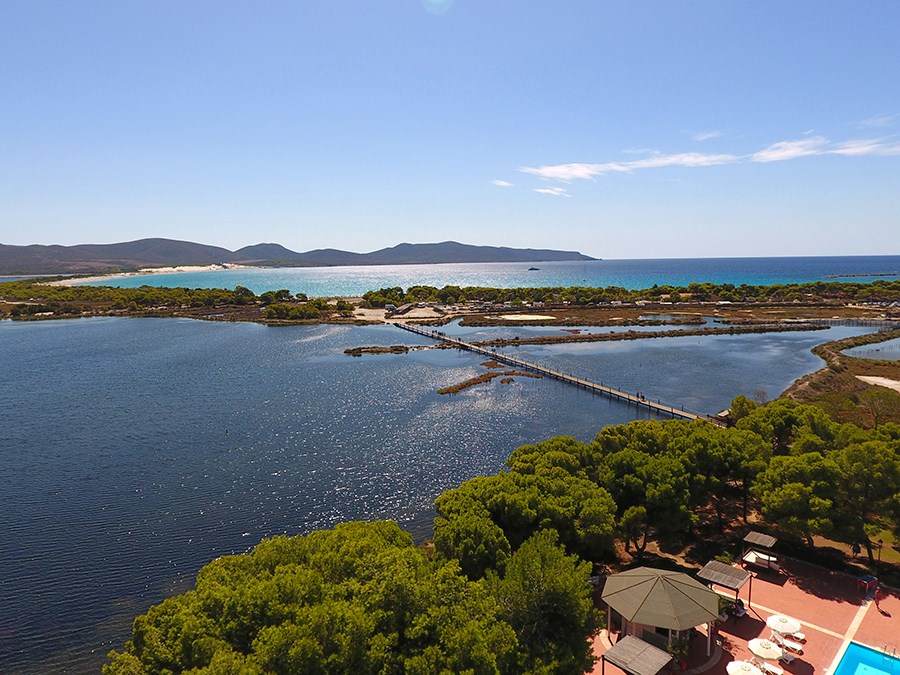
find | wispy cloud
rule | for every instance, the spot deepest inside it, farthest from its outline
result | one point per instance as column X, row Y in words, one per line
column 689, row 159
column 867, row 146
column 779, row 152
column 878, row 122
column 567, row 172
column 501, row 183
column 808, row 146
column 570, row 172
column 706, row 135
column 554, row 191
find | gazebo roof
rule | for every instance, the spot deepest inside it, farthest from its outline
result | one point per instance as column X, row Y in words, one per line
column 637, row 657
column 727, row 576
column 760, row 539
column 661, row 598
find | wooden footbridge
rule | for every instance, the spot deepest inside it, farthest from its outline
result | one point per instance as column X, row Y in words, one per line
column 638, row 401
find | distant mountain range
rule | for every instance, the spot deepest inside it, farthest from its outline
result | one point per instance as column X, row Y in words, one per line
column 133, row 255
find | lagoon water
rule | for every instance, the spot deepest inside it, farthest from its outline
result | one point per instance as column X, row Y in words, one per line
column 631, row 274
column 883, row 351
column 133, row 451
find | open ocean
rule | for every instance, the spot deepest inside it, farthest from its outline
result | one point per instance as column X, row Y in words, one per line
column 134, row 451
column 630, row 274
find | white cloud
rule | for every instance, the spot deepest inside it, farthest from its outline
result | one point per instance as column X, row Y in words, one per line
column 501, row 183
column 688, row 159
column 570, row 172
column 706, row 135
column 878, row 122
column 555, row 191
column 867, row 146
column 779, row 152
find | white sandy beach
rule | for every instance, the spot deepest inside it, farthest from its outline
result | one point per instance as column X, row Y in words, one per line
column 526, row 317
column 880, row 382
column 150, row 270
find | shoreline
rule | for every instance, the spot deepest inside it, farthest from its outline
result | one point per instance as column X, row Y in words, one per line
column 145, row 271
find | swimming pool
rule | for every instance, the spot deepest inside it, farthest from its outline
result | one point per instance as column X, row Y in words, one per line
column 859, row 660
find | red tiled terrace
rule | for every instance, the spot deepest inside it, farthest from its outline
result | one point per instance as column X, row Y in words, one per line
column 831, row 606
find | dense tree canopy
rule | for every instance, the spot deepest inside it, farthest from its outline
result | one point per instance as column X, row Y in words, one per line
column 361, row 598
column 506, row 589
column 808, row 474
column 544, row 489
column 876, row 291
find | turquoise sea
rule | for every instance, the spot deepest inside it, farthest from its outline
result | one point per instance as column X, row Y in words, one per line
column 631, row 274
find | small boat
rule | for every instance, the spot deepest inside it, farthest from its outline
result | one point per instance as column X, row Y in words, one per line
column 534, row 269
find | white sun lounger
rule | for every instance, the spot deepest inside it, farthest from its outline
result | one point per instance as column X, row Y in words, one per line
column 787, row 657
column 757, row 559
column 767, row 667
column 787, row 643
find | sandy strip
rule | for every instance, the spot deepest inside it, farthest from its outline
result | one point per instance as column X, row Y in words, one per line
column 880, row 382
column 150, row 270
column 527, row 317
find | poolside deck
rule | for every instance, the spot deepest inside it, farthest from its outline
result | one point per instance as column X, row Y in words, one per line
column 831, row 607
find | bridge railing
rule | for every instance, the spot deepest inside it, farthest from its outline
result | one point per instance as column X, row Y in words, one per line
column 611, row 392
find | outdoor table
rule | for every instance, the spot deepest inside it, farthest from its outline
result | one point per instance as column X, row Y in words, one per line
column 866, row 582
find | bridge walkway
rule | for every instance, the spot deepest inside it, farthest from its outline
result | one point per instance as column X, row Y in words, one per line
column 609, row 392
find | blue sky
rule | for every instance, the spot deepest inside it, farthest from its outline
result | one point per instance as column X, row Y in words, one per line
column 619, row 129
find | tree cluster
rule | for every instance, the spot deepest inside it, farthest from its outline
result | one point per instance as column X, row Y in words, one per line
column 312, row 309
column 33, row 300
column 118, row 298
column 505, row 590
column 806, row 473
column 360, row 598
column 826, row 478
column 818, row 291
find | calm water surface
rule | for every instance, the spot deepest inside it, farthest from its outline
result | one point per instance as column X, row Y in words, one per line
column 883, row 351
column 631, row 274
column 133, row 451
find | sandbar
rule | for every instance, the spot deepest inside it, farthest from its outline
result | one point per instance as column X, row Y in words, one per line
column 880, row 382
column 149, row 270
column 527, row 317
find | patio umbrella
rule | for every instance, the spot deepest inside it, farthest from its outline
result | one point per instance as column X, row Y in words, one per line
column 783, row 624
column 765, row 649
column 660, row 598
column 742, row 668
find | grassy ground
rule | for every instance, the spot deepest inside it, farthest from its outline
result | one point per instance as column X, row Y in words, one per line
column 653, row 312
column 709, row 541
column 837, row 388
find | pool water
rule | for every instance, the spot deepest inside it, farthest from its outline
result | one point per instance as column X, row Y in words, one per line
column 859, row 660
